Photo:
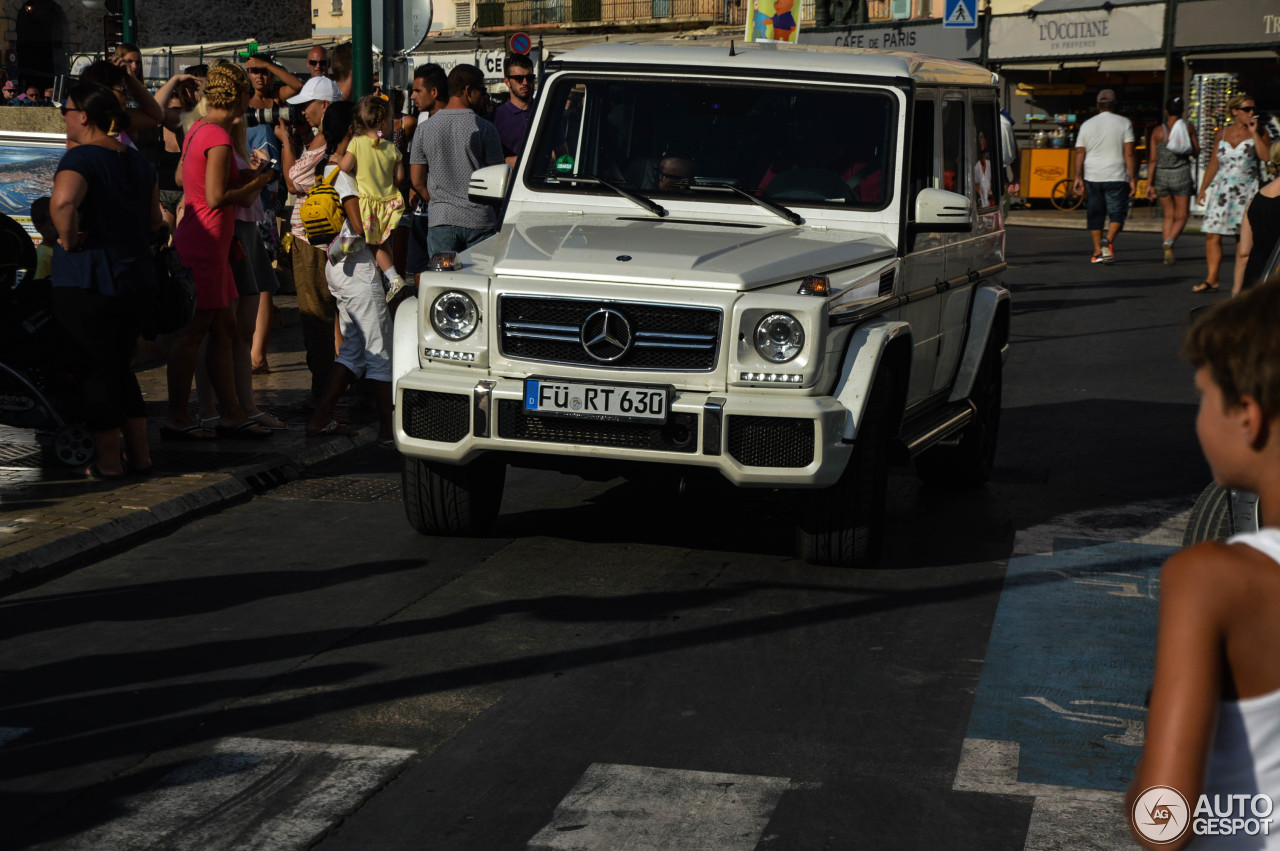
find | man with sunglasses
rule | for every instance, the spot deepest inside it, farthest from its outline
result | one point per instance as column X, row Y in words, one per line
column 512, row 118
column 318, row 61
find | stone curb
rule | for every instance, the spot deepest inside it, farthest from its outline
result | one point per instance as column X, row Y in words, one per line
column 1077, row 224
column 57, row 557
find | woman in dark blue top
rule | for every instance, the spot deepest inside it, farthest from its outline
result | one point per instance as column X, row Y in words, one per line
column 105, row 204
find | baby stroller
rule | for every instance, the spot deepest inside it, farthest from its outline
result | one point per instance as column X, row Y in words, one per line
column 35, row 391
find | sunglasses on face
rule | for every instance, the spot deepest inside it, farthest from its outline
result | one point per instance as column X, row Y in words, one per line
column 65, row 109
column 522, row 78
column 318, row 63
column 263, row 71
column 1246, row 108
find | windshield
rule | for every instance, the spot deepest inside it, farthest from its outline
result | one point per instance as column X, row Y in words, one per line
column 793, row 144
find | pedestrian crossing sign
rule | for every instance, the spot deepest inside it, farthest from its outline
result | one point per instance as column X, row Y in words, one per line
column 961, row 13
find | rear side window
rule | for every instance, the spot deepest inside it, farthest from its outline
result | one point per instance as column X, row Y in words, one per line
column 955, row 173
column 988, row 168
column 922, row 138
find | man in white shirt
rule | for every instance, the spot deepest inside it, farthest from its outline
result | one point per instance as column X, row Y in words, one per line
column 1108, row 171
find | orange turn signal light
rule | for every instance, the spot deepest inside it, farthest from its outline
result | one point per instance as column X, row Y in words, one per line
column 815, row 285
column 443, row 262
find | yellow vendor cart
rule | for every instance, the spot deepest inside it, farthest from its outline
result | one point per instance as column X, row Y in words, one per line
column 1048, row 173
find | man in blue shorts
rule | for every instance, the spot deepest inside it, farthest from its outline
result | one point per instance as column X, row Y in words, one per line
column 1107, row 170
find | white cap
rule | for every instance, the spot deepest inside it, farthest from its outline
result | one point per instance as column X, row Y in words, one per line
column 317, row 88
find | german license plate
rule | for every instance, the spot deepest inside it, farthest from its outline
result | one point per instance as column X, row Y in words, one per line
column 613, row 402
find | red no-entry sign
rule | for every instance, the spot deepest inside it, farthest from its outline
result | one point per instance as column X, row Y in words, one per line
column 520, row 43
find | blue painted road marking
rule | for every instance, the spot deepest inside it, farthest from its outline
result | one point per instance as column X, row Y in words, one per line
column 1070, row 661
column 531, row 395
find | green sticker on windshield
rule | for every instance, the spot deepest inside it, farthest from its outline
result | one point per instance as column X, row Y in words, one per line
column 564, row 165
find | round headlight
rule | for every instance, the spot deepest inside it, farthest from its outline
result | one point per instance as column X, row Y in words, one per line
column 779, row 337
column 454, row 316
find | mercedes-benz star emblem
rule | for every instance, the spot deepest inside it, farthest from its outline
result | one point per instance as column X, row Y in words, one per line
column 606, row 335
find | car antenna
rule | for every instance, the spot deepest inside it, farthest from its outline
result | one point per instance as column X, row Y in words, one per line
column 731, row 53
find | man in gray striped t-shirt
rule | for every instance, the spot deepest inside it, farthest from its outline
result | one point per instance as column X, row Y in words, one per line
column 457, row 142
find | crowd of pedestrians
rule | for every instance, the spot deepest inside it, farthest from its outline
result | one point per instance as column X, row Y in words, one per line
column 1106, row 171
column 209, row 163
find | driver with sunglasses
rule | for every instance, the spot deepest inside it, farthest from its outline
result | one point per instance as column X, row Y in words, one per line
column 512, row 118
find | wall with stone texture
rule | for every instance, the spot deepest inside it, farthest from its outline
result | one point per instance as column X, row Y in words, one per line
column 164, row 22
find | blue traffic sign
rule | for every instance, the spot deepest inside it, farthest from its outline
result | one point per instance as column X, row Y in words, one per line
column 520, row 43
column 961, row 13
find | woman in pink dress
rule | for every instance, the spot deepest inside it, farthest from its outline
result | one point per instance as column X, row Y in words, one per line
column 204, row 242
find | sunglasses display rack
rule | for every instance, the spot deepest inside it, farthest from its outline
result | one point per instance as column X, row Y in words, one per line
column 1207, row 107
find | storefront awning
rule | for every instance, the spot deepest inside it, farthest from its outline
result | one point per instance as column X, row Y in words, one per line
column 1146, row 63
column 1121, row 30
column 1240, row 54
column 1048, row 66
column 1079, row 5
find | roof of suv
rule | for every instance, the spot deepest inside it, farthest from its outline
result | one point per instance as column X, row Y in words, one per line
column 783, row 59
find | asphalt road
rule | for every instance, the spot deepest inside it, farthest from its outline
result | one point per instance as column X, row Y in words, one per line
column 622, row 667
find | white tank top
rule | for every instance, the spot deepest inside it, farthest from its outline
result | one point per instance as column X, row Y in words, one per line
column 1245, row 759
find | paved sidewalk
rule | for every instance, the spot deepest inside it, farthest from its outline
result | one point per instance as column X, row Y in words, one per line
column 51, row 520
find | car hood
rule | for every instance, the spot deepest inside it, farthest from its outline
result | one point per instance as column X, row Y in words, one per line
column 678, row 252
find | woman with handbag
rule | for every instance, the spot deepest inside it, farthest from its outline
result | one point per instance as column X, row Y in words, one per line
column 204, row 241
column 252, row 272
column 1230, row 181
column 1172, row 148
column 105, row 205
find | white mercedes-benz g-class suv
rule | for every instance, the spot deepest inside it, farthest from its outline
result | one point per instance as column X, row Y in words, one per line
column 778, row 263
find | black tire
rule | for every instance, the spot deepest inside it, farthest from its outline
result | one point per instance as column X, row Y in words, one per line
column 440, row 499
column 1211, row 518
column 968, row 463
column 843, row 525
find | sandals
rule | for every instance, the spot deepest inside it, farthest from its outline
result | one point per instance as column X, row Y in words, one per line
column 1205, row 287
column 275, row 424
column 334, row 428
column 94, row 473
column 249, row 430
column 188, row 433
column 263, row 369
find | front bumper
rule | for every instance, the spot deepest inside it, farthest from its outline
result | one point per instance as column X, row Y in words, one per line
column 753, row 439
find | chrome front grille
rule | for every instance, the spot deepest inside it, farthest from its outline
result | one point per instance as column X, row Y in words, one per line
column 659, row 336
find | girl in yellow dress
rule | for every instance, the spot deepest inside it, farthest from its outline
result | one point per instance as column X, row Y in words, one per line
column 379, row 171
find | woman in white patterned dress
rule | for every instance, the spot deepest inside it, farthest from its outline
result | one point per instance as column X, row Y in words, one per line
column 1230, row 181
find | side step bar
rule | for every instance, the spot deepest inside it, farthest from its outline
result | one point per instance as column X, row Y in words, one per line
column 936, row 426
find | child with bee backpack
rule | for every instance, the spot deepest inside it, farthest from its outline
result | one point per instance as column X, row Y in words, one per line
column 379, row 171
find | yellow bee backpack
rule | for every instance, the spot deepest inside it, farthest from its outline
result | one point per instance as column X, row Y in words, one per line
column 321, row 212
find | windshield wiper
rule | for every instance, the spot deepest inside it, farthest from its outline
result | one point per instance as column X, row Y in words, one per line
column 726, row 184
column 635, row 197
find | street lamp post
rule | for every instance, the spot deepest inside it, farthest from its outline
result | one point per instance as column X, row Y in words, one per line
column 128, row 27
column 1170, row 31
column 361, row 48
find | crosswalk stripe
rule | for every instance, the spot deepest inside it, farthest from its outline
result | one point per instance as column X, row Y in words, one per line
column 639, row 808
column 1061, row 817
column 249, row 794
column 1098, row 572
column 8, row 734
